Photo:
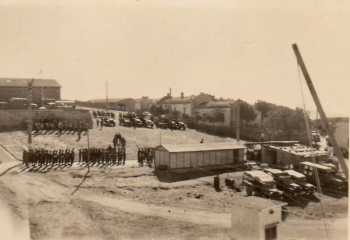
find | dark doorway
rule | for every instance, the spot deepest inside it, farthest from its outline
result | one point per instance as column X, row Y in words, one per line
column 271, row 232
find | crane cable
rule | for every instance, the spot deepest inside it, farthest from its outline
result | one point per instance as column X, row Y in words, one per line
column 306, row 117
column 317, row 179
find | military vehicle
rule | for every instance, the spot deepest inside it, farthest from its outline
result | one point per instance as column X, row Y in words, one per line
column 285, row 183
column 330, row 180
column 176, row 125
column 136, row 122
column 173, row 124
column 251, row 165
column 301, row 180
column 147, row 123
column 125, row 119
column 108, row 122
column 259, row 183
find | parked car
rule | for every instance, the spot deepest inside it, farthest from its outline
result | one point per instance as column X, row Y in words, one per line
column 109, row 122
column 147, row 123
column 177, row 125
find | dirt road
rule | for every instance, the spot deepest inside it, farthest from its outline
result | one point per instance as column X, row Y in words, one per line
column 185, row 215
column 329, row 229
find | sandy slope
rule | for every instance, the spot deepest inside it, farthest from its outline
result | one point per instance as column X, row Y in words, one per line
column 111, row 203
column 16, row 141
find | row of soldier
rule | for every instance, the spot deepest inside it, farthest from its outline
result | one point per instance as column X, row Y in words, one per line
column 42, row 157
column 145, row 156
column 100, row 113
column 60, row 125
column 66, row 157
column 108, row 156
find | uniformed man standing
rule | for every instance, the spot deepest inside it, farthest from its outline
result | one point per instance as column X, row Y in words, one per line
column 123, row 155
column 25, row 158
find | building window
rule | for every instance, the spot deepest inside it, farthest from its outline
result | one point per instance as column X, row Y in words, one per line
column 271, row 232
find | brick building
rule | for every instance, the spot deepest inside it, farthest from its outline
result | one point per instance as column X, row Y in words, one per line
column 43, row 89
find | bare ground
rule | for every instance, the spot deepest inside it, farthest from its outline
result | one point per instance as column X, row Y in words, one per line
column 57, row 209
column 54, row 213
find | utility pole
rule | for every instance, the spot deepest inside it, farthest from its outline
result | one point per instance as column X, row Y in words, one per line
column 107, row 100
column 238, row 120
column 30, row 113
column 323, row 116
column 88, row 147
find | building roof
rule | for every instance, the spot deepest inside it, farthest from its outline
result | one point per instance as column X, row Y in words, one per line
column 23, row 82
column 275, row 142
column 256, row 203
column 300, row 150
column 201, row 147
column 318, row 166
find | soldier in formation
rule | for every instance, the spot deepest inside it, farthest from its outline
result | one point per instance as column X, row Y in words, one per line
column 145, row 156
column 102, row 156
column 59, row 125
column 42, row 157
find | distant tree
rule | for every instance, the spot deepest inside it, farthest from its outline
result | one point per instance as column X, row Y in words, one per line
column 247, row 112
column 157, row 110
column 264, row 108
column 285, row 124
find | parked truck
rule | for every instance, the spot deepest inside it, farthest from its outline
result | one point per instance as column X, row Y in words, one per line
column 284, row 182
column 330, row 180
column 258, row 183
column 301, row 180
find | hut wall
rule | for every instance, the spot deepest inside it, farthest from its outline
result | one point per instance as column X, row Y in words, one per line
column 198, row 159
column 240, row 156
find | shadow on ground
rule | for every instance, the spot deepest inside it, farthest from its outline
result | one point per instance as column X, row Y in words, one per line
column 176, row 175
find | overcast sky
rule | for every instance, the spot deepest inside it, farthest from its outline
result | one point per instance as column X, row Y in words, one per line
column 237, row 49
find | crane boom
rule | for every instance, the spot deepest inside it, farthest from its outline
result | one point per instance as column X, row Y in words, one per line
column 320, row 110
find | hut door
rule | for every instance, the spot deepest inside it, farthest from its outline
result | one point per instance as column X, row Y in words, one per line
column 271, row 232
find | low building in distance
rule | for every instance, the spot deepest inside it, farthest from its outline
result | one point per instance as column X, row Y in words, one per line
column 184, row 105
column 17, row 88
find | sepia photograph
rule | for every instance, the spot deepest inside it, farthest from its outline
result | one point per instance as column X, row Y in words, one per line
column 174, row 119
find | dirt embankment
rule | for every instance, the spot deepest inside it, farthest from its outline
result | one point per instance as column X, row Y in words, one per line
column 54, row 213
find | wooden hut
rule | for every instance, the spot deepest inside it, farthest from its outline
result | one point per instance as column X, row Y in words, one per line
column 175, row 156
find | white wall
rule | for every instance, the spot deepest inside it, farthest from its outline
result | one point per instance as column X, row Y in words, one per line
column 197, row 159
column 249, row 223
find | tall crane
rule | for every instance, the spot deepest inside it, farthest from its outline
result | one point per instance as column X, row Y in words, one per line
column 320, row 110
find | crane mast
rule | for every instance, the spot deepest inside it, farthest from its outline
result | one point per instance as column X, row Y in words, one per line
column 320, row 110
